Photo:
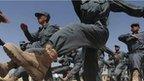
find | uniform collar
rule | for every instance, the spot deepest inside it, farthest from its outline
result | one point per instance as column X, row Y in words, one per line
column 117, row 52
column 135, row 33
column 44, row 27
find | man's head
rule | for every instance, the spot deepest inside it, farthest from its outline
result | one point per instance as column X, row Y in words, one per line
column 135, row 27
column 117, row 48
column 42, row 17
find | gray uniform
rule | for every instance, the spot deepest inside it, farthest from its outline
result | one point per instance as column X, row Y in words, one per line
column 78, row 60
column 92, row 32
column 120, row 64
column 115, row 65
column 136, row 49
column 37, row 40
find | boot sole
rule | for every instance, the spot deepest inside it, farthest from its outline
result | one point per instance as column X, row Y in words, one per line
column 3, row 72
column 1, row 79
column 15, row 54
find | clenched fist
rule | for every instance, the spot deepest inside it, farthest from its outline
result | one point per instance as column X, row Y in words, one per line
column 24, row 27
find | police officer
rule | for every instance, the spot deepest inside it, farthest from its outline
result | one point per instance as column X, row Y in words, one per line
column 135, row 44
column 78, row 61
column 121, row 59
column 91, row 33
column 116, row 62
column 36, row 42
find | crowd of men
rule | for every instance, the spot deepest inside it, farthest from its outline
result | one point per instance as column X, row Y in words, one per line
column 83, row 44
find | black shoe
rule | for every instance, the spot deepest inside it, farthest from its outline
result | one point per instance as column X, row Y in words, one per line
column 2, row 42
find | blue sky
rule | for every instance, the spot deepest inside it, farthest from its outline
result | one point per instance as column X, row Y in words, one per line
column 62, row 14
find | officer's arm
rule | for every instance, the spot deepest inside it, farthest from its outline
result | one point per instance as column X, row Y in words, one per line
column 108, row 51
column 109, row 63
column 77, row 7
column 30, row 36
column 124, row 38
column 105, row 62
column 122, row 6
column 125, row 54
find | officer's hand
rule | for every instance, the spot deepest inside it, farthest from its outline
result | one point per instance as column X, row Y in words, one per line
column 24, row 27
column 132, row 38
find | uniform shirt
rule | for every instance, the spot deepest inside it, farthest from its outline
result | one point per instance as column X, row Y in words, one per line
column 133, row 45
column 42, row 35
column 92, row 31
column 122, row 56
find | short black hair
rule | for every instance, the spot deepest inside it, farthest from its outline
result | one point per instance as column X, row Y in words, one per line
column 135, row 24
